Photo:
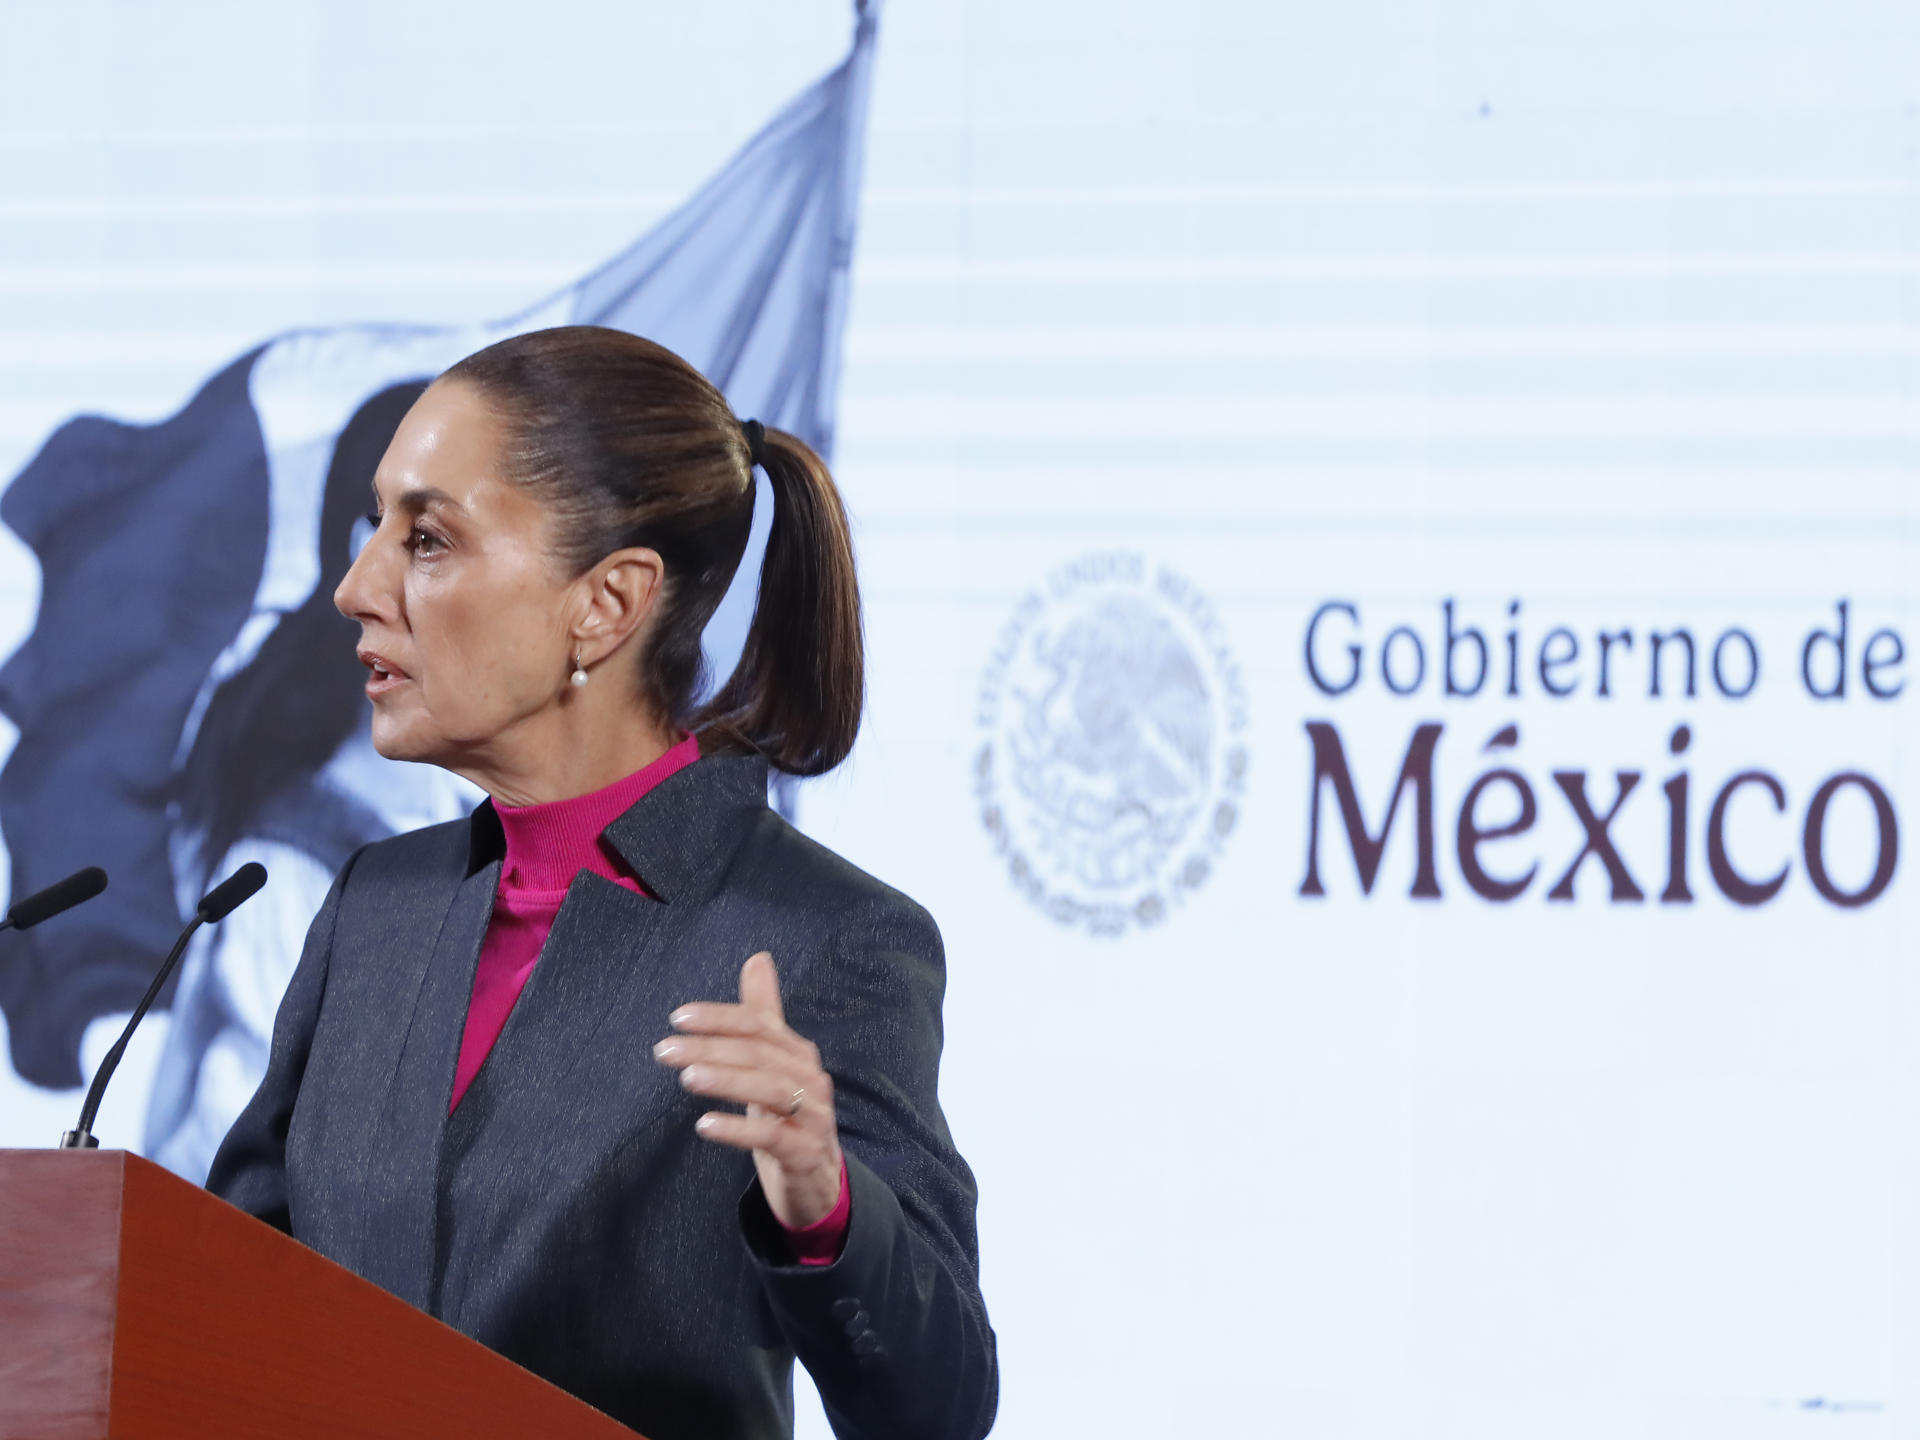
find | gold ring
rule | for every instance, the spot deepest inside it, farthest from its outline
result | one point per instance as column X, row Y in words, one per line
column 793, row 1105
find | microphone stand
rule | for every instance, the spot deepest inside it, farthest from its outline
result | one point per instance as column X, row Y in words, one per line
column 215, row 906
column 81, row 1136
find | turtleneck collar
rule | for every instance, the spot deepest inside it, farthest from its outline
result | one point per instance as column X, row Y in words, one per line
column 548, row 844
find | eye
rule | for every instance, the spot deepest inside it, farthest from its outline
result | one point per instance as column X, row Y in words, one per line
column 423, row 542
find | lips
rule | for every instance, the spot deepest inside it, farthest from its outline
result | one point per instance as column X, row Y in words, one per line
column 383, row 675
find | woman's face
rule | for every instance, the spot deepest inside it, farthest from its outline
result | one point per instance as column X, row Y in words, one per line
column 463, row 611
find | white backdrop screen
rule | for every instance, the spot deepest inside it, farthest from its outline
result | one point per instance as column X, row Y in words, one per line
column 1389, row 536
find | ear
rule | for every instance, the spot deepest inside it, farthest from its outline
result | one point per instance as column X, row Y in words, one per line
column 616, row 598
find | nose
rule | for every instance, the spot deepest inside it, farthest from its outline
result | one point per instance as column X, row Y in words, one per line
column 361, row 595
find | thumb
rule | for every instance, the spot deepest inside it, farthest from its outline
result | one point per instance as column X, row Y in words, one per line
column 760, row 986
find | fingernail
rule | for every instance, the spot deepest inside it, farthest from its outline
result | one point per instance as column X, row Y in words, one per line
column 704, row 1124
column 680, row 1017
column 691, row 1076
column 666, row 1049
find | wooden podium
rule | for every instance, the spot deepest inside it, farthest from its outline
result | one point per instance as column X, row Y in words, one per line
column 133, row 1304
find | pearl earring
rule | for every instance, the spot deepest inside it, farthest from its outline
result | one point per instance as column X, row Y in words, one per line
column 579, row 676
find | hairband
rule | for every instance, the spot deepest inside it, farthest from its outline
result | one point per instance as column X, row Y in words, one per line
column 756, row 434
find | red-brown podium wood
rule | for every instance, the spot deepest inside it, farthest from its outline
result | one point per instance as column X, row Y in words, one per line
column 133, row 1304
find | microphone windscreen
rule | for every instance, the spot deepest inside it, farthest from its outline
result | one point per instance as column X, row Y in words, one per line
column 61, row 895
column 232, row 892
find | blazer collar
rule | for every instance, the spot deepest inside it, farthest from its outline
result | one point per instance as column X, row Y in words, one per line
column 669, row 835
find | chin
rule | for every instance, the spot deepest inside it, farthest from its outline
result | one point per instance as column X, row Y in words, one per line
column 394, row 740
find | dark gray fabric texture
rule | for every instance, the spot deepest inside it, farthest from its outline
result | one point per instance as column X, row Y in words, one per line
column 567, row 1215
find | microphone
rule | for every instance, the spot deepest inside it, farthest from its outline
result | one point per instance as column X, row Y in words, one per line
column 215, row 906
column 230, row 894
column 61, row 895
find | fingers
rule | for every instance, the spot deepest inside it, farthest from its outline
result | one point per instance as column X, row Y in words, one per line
column 680, row 1051
column 771, row 1090
column 760, row 987
column 745, row 1054
column 711, row 1021
column 766, row 1133
column 713, row 1018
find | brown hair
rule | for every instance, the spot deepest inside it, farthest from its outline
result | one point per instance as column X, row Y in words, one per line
column 628, row 444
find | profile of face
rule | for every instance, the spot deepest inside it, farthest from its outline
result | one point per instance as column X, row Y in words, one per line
column 469, row 622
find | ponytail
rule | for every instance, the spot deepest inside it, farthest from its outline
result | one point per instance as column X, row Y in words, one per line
column 797, row 693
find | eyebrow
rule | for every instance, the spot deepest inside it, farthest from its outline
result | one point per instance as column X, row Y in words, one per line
column 419, row 497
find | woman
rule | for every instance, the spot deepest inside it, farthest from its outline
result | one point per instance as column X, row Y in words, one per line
column 532, row 1151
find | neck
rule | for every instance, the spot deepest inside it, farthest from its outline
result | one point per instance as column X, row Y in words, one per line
column 577, row 749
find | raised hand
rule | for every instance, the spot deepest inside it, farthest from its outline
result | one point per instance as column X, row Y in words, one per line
column 747, row 1055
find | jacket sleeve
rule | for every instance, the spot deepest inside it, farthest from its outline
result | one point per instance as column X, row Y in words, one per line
column 250, row 1167
column 894, row 1332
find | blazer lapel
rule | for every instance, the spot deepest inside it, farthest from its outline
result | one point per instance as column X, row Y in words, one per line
column 416, row 1119
column 578, row 1041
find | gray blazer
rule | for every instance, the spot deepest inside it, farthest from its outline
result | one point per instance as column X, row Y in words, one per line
column 567, row 1215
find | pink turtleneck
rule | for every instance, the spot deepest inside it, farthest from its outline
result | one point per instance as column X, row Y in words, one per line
column 547, row 845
